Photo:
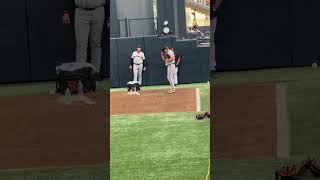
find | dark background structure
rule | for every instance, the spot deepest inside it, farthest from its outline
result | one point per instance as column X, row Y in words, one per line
column 250, row 34
column 34, row 40
column 194, row 67
column 261, row 34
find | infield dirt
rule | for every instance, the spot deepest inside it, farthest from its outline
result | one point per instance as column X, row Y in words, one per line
column 37, row 131
column 153, row 101
column 245, row 122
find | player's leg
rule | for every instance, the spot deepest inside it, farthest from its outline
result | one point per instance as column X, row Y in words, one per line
column 82, row 28
column 140, row 73
column 135, row 72
column 98, row 17
column 176, row 75
column 168, row 76
column 172, row 73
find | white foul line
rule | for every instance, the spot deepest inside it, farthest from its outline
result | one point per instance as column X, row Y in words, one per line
column 198, row 101
column 283, row 142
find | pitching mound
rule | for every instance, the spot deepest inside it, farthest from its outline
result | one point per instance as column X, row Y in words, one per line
column 38, row 131
column 248, row 122
column 154, row 101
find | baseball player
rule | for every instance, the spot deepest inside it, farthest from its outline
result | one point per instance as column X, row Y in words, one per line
column 138, row 64
column 213, row 24
column 169, row 59
column 177, row 63
column 89, row 22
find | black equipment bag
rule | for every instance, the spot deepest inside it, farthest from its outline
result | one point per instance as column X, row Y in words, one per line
column 133, row 86
column 70, row 79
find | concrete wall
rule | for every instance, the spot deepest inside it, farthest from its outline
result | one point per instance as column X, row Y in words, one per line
column 172, row 11
column 138, row 13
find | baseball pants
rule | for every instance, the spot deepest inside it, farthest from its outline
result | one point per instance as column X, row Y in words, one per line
column 89, row 26
column 213, row 63
column 170, row 74
column 137, row 72
column 176, row 75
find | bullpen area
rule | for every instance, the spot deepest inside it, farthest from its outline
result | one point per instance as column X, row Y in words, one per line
column 265, row 119
column 155, row 135
column 43, row 138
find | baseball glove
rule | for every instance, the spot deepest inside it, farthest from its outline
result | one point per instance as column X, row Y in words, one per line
column 295, row 171
column 203, row 115
column 166, row 56
column 314, row 167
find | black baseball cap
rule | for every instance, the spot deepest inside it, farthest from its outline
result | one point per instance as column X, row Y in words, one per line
column 139, row 46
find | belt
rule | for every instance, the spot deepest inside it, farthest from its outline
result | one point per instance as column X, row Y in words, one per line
column 137, row 64
column 170, row 64
column 89, row 9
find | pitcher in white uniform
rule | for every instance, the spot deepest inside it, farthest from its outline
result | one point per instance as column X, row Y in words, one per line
column 169, row 59
column 138, row 64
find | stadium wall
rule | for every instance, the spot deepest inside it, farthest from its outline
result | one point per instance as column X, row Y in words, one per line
column 194, row 67
column 262, row 34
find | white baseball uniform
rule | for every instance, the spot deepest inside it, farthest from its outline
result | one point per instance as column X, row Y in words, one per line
column 138, row 58
column 171, row 67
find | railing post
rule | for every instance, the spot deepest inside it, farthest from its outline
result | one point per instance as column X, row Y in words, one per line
column 127, row 27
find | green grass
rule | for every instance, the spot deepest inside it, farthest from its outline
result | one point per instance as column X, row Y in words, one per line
column 37, row 88
column 96, row 172
column 303, row 86
column 161, row 146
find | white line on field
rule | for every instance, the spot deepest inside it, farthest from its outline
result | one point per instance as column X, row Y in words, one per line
column 283, row 142
column 198, row 100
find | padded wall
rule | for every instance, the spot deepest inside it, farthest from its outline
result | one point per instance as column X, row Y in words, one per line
column 14, row 42
column 190, row 61
column 157, row 71
column 253, row 34
column 305, row 31
column 194, row 67
column 114, row 64
column 51, row 42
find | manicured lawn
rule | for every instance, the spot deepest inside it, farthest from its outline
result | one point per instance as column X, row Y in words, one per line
column 95, row 172
column 161, row 146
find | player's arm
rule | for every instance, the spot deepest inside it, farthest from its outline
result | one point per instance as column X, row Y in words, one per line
column 178, row 61
column 144, row 62
column 131, row 62
column 163, row 57
column 69, row 6
column 171, row 57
